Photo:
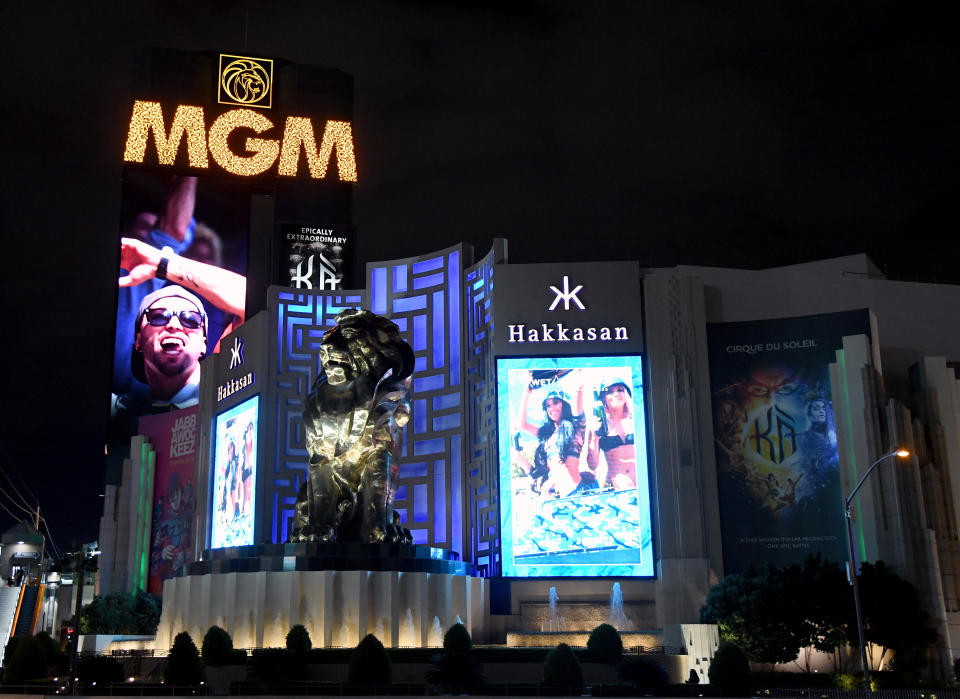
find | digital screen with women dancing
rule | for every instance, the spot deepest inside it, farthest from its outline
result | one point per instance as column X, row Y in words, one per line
column 235, row 475
column 574, row 484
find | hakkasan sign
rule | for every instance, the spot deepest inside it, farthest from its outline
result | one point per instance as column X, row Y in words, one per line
column 569, row 309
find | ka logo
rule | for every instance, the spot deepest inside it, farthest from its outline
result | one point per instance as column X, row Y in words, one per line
column 327, row 274
column 236, row 353
column 245, row 81
column 566, row 295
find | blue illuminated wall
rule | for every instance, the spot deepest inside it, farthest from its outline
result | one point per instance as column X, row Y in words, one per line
column 483, row 542
column 422, row 295
column 301, row 319
column 446, row 491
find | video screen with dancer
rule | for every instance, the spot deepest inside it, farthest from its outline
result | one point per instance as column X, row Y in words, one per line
column 574, row 486
column 235, row 475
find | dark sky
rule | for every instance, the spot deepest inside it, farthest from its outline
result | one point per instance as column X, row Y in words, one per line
column 716, row 133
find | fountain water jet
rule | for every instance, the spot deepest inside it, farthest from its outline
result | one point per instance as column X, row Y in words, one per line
column 435, row 637
column 618, row 619
column 554, row 620
column 407, row 633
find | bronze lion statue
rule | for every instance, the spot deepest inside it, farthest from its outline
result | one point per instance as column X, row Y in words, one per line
column 354, row 421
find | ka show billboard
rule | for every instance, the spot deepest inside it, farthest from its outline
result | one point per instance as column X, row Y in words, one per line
column 174, row 436
column 775, row 437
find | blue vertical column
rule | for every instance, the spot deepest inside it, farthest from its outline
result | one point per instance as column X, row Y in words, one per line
column 423, row 297
column 302, row 317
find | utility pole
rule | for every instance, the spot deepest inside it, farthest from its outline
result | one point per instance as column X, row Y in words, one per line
column 75, row 651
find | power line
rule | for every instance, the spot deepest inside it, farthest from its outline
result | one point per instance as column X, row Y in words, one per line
column 16, row 504
column 16, row 518
column 14, row 485
column 17, row 471
column 34, row 513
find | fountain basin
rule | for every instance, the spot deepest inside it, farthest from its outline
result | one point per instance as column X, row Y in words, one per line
column 578, row 639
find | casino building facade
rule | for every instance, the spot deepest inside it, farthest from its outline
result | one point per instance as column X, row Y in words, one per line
column 751, row 402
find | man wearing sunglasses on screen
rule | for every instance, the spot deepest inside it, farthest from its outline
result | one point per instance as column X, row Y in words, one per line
column 170, row 338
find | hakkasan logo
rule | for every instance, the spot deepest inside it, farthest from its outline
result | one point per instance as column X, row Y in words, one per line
column 558, row 332
column 246, row 81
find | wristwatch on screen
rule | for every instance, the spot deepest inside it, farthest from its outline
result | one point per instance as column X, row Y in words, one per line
column 165, row 254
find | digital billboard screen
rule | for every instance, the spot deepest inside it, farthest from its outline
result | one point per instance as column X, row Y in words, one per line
column 234, row 475
column 574, row 479
column 174, row 438
column 181, row 287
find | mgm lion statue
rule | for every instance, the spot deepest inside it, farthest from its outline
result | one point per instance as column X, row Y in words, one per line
column 354, row 422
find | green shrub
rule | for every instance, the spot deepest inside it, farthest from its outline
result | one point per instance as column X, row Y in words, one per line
column 369, row 663
column 146, row 613
column 269, row 665
column 605, row 645
column 562, row 669
column 457, row 638
column 183, row 664
column 8, row 653
column 101, row 669
column 217, row 647
column 120, row 613
column 645, row 676
column 455, row 670
column 28, row 662
column 57, row 661
column 298, row 639
column 729, row 669
column 849, row 680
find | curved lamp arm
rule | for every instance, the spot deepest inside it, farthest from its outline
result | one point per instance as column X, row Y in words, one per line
column 899, row 452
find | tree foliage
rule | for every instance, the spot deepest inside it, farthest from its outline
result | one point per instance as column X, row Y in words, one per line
column 645, row 676
column 369, row 663
column 729, row 669
column 29, row 662
column 605, row 644
column 455, row 670
column 771, row 613
column 101, row 669
column 120, row 613
column 217, row 647
column 828, row 600
column 298, row 639
column 562, row 669
column 457, row 638
column 893, row 617
column 758, row 610
column 183, row 663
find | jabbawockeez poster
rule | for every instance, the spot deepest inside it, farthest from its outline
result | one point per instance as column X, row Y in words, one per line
column 315, row 256
column 775, row 437
column 174, row 439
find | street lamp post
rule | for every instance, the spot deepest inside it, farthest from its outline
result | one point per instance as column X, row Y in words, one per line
column 852, row 563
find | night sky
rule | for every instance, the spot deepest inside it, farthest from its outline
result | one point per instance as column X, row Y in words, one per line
column 710, row 133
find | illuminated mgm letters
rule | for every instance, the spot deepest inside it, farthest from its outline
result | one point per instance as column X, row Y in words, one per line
column 261, row 153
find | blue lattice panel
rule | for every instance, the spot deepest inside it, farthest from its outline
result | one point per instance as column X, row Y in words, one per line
column 423, row 297
column 301, row 317
column 483, row 543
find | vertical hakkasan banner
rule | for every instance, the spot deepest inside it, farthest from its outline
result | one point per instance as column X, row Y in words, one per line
column 775, row 438
column 174, row 438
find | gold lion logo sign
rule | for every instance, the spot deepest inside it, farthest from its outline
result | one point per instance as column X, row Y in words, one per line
column 245, row 81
